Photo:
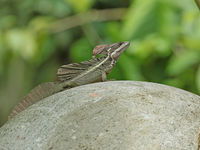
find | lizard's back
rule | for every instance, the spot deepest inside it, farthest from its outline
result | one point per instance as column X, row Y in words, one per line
column 84, row 72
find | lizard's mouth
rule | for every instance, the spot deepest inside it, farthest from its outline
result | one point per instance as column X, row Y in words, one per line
column 117, row 53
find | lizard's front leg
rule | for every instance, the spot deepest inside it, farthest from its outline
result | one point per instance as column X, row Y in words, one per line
column 103, row 76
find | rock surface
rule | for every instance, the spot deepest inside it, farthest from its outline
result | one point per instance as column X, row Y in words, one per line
column 116, row 115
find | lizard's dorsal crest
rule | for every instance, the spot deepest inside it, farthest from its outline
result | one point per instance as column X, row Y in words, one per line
column 67, row 72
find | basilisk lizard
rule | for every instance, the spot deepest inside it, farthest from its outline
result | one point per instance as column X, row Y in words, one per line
column 76, row 74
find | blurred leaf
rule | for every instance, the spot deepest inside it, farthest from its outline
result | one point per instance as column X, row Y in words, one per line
column 183, row 4
column 176, row 82
column 55, row 8
column 21, row 42
column 168, row 21
column 179, row 63
column 152, row 44
column 116, row 74
column 190, row 30
column 39, row 23
column 198, row 79
column 112, row 30
column 191, row 42
column 64, row 39
column 81, row 6
column 129, row 68
column 47, row 72
column 153, row 67
column 184, row 80
column 2, row 53
column 187, row 21
column 7, row 22
column 81, row 50
column 46, row 48
column 13, row 87
column 137, row 15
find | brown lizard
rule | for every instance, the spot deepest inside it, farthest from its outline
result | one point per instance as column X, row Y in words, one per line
column 76, row 74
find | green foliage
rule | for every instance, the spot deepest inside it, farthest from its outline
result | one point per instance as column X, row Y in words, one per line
column 81, row 50
column 181, row 62
column 37, row 36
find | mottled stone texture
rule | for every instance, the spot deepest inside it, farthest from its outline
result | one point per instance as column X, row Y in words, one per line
column 116, row 115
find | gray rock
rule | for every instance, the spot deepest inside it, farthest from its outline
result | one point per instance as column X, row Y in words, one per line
column 117, row 115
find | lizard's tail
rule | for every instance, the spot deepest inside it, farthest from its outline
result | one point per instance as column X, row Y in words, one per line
column 39, row 92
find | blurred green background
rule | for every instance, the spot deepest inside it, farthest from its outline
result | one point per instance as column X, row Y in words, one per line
column 37, row 36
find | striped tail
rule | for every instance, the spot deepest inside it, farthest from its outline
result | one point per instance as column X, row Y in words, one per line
column 39, row 92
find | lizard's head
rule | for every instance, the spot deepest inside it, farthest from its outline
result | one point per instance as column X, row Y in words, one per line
column 114, row 50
